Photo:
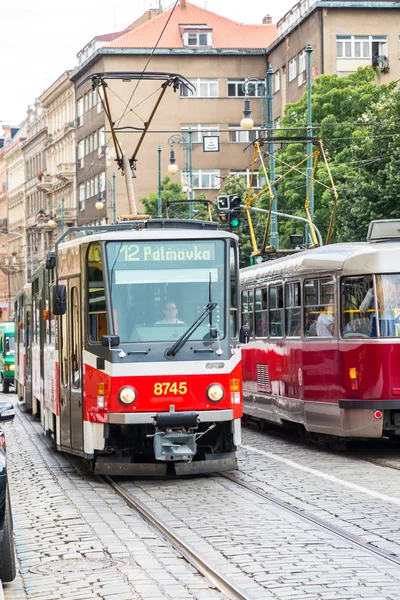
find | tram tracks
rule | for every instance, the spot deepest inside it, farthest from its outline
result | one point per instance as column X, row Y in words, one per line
column 193, row 557
column 321, row 523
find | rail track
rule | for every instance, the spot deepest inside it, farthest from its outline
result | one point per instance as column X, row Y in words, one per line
column 323, row 524
column 229, row 589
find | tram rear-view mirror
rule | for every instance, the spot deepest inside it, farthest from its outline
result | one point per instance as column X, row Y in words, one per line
column 244, row 334
column 59, row 299
column 110, row 340
column 7, row 411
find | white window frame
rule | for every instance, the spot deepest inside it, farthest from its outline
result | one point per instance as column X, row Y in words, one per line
column 82, row 196
column 79, row 109
column 195, row 36
column 259, row 180
column 355, row 46
column 199, row 175
column 198, row 84
column 239, row 92
column 302, row 61
column 277, row 81
column 199, row 131
column 244, row 136
column 292, row 69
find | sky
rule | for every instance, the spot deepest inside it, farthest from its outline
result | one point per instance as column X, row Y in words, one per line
column 39, row 40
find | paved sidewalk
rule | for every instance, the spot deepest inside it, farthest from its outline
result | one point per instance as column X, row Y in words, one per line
column 77, row 540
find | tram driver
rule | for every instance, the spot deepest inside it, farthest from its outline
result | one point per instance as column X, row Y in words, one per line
column 170, row 314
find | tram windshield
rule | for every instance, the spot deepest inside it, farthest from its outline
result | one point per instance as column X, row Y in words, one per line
column 158, row 289
column 371, row 311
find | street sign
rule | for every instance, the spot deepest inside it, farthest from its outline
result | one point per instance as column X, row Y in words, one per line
column 211, row 143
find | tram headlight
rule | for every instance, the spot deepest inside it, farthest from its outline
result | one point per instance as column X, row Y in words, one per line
column 215, row 392
column 127, row 394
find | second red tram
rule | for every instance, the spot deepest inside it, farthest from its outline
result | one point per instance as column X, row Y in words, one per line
column 136, row 361
column 324, row 347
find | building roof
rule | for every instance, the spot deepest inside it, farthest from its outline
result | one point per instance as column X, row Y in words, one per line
column 226, row 34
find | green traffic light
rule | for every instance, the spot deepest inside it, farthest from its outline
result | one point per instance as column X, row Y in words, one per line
column 235, row 223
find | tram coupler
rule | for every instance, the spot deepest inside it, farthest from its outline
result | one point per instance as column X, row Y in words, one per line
column 174, row 439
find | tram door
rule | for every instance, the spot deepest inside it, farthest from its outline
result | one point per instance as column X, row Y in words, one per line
column 71, row 413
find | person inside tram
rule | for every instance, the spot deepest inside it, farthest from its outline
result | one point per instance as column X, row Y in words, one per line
column 388, row 294
column 170, row 315
column 325, row 322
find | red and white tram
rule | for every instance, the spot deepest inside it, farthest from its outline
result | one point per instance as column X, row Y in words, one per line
column 324, row 348
column 136, row 361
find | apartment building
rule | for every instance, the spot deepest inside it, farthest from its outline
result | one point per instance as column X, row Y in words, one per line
column 344, row 35
column 35, row 168
column 15, row 171
column 217, row 55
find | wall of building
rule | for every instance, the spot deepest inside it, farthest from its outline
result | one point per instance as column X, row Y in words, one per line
column 361, row 22
column 173, row 113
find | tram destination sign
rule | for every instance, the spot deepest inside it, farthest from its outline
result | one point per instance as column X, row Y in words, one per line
column 156, row 253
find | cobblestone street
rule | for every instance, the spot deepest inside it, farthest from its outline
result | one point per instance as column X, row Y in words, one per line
column 77, row 540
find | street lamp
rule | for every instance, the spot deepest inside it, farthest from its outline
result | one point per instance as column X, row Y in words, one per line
column 113, row 204
column 173, row 167
column 265, row 87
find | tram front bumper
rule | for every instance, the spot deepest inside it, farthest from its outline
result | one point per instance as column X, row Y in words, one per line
column 205, row 416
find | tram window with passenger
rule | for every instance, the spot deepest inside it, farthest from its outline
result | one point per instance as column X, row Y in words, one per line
column 247, row 309
column 319, row 311
column 358, row 306
column 145, row 278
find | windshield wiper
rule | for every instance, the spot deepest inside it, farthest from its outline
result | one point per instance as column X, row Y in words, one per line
column 171, row 352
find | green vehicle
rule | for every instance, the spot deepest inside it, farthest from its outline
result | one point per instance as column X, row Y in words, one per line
column 7, row 355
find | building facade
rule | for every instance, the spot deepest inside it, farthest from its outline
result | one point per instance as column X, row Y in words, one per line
column 15, row 171
column 344, row 35
column 35, row 169
column 217, row 57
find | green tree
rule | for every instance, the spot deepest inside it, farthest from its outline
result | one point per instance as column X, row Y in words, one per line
column 343, row 111
column 173, row 200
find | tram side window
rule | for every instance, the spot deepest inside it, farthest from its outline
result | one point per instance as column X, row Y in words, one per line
column 388, row 305
column 96, row 298
column 293, row 309
column 247, row 309
column 276, row 310
column 319, row 314
column 75, row 340
column 261, row 312
column 63, row 346
column 233, row 285
column 358, row 307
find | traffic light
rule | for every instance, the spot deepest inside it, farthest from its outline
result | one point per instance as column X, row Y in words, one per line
column 234, row 211
column 223, row 203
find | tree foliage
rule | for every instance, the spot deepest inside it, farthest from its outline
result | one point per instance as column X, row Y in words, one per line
column 356, row 119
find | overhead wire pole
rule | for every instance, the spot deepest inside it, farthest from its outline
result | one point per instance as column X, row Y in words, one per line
column 309, row 180
column 274, row 237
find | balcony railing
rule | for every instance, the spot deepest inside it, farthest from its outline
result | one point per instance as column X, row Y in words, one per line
column 66, row 171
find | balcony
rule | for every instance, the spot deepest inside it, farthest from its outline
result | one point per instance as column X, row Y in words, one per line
column 46, row 183
column 66, row 172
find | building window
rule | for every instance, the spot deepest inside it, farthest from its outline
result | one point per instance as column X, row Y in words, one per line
column 88, row 188
column 373, row 47
column 82, row 197
column 240, row 136
column 197, row 39
column 102, row 182
column 81, row 153
column 258, row 182
column 277, row 81
column 302, row 61
column 203, row 88
column 205, row 179
column 292, row 69
column 235, row 88
column 198, row 132
column 80, row 112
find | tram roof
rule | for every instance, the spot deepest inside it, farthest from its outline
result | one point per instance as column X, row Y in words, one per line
column 356, row 258
column 145, row 234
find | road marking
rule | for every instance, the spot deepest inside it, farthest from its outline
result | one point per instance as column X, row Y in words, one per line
column 332, row 478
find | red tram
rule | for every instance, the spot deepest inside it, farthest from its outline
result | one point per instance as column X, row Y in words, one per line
column 135, row 355
column 324, row 346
